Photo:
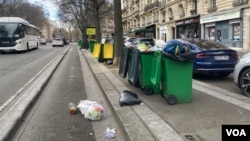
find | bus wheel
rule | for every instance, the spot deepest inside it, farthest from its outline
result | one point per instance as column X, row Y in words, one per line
column 27, row 48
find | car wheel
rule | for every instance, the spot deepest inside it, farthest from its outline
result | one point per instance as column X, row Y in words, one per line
column 244, row 82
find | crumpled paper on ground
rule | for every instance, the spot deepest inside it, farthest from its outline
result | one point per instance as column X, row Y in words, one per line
column 110, row 133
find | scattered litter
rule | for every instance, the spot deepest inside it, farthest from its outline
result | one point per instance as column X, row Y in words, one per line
column 129, row 98
column 72, row 108
column 91, row 134
column 90, row 109
column 160, row 43
column 110, row 133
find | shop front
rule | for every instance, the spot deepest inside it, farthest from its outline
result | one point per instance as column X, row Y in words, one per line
column 225, row 27
column 188, row 28
column 146, row 32
column 163, row 33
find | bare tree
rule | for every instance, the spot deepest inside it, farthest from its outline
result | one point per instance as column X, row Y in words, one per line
column 78, row 12
column 96, row 5
column 33, row 14
column 118, row 31
column 19, row 8
column 8, row 6
column 85, row 13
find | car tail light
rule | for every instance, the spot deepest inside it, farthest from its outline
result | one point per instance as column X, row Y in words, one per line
column 235, row 54
column 201, row 55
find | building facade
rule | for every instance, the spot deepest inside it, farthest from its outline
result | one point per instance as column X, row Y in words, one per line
column 224, row 21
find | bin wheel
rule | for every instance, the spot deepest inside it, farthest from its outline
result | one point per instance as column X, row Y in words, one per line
column 137, row 84
column 171, row 99
column 130, row 82
column 161, row 93
column 148, row 91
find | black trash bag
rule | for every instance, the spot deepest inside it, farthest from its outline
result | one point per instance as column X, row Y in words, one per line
column 129, row 98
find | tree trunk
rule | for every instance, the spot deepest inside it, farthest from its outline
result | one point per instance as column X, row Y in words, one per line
column 118, row 37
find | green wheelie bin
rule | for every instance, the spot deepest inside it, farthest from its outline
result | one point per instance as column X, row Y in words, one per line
column 101, row 58
column 91, row 45
column 176, row 80
column 149, row 72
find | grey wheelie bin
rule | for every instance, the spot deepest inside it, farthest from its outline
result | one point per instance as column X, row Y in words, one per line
column 133, row 67
column 124, row 60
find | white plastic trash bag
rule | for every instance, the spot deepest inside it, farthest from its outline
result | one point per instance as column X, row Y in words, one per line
column 160, row 43
column 90, row 109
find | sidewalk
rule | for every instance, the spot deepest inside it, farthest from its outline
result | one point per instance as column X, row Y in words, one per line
column 140, row 122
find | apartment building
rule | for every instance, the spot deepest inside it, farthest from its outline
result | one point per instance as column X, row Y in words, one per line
column 224, row 21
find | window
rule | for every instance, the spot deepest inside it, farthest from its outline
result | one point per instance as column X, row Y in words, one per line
column 181, row 11
column 194, row 5
column 163, row 16
column 213, row 3
column 211, row 33
column 236, row 31
column 170, row 13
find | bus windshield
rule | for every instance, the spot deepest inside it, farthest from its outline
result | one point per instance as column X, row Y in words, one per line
column 9, row 30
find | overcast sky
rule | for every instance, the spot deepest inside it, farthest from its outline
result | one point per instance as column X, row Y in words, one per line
column 48, row 6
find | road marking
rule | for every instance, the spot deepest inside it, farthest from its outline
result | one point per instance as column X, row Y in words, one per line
column 222, row 94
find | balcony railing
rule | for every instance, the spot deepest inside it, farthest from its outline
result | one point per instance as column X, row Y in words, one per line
column 163, row 3
column 151, row 6
column 193, row 12
column 212, row 9
column 155, row 21
column 240, row 2
column 182, row 15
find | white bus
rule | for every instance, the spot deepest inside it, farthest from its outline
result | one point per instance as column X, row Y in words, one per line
column 17, row 34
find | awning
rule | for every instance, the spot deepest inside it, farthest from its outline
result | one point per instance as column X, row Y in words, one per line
column 150, row 28
column 139, row 29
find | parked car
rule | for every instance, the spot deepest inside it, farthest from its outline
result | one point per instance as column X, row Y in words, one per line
column 242, row 74
column 57, row 42
column 137, row 41
column 42, row 41
column 211, row 57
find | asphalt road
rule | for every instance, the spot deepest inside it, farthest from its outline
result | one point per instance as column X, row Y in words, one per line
column 50, row 119
column 16, row 69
